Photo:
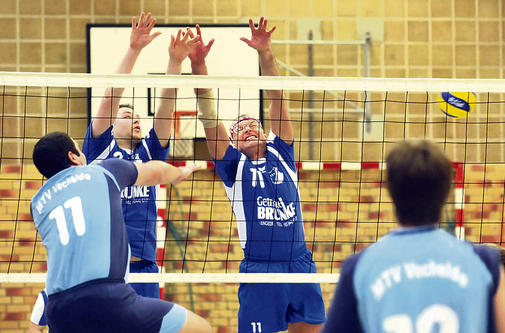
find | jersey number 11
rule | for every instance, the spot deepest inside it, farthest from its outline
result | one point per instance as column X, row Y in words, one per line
column 58, row 214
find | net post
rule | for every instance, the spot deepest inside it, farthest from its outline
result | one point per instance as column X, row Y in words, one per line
column 459, row 199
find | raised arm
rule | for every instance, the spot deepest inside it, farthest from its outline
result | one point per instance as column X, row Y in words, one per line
column 280, row 122
column 215, row 132
column 158, row 172
column 180, row 47
column 140, row 37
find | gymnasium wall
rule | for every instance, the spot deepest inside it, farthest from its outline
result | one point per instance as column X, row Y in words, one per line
column 414, row 39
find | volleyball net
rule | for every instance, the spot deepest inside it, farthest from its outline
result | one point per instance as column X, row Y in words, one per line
column 344, row 128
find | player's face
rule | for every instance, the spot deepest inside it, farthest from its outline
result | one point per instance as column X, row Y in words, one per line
column 127, row 125
column 250, row 137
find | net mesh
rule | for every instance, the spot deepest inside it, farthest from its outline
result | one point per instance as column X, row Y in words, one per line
column 343, row 130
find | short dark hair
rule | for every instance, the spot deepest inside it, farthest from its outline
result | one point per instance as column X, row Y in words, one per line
column 419, row 178
column 50, row 154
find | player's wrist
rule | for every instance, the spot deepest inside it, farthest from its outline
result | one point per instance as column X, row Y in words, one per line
column 198, row 66
column 174, row 64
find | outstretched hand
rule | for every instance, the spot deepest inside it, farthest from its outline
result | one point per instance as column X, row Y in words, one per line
column 260, row 37
column 199, row 53
column 141, row 32
column 181, row 45
column 186, row 171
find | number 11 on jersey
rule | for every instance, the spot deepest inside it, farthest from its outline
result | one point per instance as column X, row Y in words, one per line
column 256, row 327
column 58, row 214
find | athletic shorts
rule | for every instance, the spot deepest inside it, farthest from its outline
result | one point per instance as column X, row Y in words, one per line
column 270, row 307
column 105, row 306
column 145, row 289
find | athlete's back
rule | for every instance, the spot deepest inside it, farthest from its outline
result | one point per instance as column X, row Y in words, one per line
column 76, row 212
column 421, row 276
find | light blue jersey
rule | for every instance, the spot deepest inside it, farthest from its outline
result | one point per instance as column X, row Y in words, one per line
column 265, row 200
column 417, row 280
column 76, row 213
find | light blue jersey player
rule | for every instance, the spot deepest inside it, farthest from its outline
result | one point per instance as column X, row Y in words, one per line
column 419, row 278
column 259, row 175
column 78, row 214
column 115, row 132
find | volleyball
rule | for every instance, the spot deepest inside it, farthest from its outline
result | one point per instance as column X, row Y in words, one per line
column 456, row 104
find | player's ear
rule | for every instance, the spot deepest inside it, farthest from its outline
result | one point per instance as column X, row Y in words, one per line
column 74, row 158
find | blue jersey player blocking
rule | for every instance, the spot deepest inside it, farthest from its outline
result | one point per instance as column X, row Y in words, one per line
column 260, row 178
column 78, row 214
column 419, row 278
column 115, row 132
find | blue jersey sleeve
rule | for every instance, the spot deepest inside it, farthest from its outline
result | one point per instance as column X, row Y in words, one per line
column 155, row 148
column 491, row 258
column 227, row 167
column 287, row 151
column 124, row 171
column 93, row 147
column 343, row 314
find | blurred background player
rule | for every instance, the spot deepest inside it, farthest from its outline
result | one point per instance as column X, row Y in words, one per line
column 419, row 277
column 115, row 132
column 78, row 214
column 259, row 175
column 38, row 319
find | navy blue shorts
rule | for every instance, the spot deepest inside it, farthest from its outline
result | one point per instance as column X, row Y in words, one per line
column 145, row 289
column 105, row 306
column 270, row 307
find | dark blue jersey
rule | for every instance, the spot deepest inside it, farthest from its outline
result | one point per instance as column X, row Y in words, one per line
column 78, row 215
column 139, row 202
column 417, row 277
column 265, row 200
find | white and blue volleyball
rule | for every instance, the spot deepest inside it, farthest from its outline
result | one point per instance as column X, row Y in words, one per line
column 456, row 104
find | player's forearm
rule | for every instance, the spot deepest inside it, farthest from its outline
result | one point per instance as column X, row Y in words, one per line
column 110, row 102
column 217, row 141
column 199, row 68
column 168, row 95
column 156, row 172
column 269, row 68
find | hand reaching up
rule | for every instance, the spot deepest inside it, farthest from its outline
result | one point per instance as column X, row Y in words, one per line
column 141, row 36
column 260, row 37
column 182, row 45
column 199, row 53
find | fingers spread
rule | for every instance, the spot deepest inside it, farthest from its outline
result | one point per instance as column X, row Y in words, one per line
column 209, row 44
column 156, row 34
column 141, row 19
column 260, row 23
column 245, row 40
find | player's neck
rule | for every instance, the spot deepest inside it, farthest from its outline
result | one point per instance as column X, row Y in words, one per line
column 255, row 154
column 129, row 144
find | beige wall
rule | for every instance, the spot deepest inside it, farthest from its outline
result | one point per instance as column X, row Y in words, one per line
column 421, row 38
